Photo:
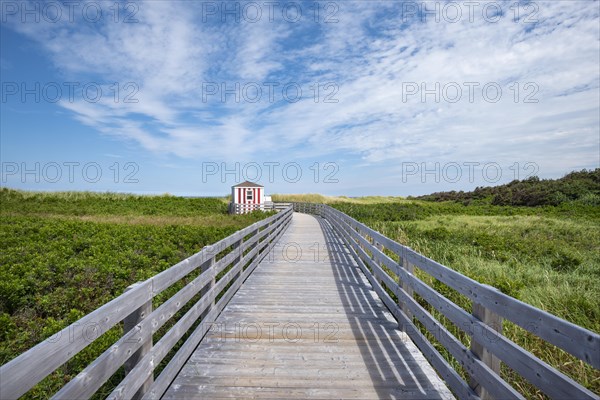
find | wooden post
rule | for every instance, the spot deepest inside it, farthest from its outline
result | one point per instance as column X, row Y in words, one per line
column 406, row 287
column 206, row 265
column 238, row 246
column 379, row 247
column 256, row 244
column 494, row 321
column 129, row 323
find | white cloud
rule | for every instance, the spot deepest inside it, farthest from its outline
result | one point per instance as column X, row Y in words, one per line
column 370, row 54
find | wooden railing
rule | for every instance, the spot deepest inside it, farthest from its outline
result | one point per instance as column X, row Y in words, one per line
column 231, row 259
column 390, row 267
column 242, row 208
column 239, row 208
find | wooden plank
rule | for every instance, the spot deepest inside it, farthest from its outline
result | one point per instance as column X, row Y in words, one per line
column 539, row 373
column 405, row 286
column 495, row 322
column 175, row 364
column 526, row 364
column 450, row 376
column 489, row 377
column 168, row 374
column 125, row 388
column 129, row 323
column 168, row 277
column 98, row 372
column 132, row 381
column 373, row 362
column 332, row 391
column 578, row 341
column 206, row 289
column 546, row 378
column 18, row 376
column 25, row 371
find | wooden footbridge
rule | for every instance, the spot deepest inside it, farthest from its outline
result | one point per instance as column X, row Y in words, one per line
column 308, row 303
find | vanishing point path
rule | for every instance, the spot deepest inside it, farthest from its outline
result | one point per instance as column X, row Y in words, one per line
column 307, row 324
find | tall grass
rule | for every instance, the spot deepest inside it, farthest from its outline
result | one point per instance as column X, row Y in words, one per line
column 547, row 257
column 319, row 198
column 65, row 254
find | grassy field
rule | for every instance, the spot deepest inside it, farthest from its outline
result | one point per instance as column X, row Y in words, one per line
column 65, row 254
column 547, row 257
column 319, row 198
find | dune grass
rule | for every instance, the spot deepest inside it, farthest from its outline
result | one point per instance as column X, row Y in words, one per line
column 319, row 198
column 65, row 254
column 548, row 257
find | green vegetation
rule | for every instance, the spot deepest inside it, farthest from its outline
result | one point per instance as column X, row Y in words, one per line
column 582, row 187
column 547, row 256
column 319, row 198
column 65, row 254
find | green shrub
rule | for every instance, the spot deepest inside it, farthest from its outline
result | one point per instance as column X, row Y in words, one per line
column 65, row 254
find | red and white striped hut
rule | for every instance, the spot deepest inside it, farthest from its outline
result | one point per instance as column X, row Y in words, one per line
column 247, row 197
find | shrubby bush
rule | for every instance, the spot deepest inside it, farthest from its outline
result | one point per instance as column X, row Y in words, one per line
column 583, row 186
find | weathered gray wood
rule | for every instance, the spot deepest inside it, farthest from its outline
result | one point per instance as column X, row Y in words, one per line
column 443, row 368
column 405, row 286
column 130, row 322
column 168, row 374
column 205, row 267
column 578, row 341
column 476, row 368
column 539, row 373
column 19, row 375
column 168, row 277
column 336, row 389
column 168, row 341
column 129, row 384
column 361, row 336
column 281, row 206
column 543, row 376
column 144, row 368
column 94, row 376
column 494, row 321
column 366, row 247
column 239, row 248
column 181, row 356
column 379, row 247
column 87, row 382
column 25, row 371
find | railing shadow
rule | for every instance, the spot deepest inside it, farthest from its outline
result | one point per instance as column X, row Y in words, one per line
column 391, row 364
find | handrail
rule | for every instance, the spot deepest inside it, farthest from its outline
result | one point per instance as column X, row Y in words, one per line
column 242, row 208
column 239, row 254
column 236, row 256
column 484, row 325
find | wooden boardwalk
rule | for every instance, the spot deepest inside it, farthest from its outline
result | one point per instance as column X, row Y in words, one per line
column 307, row 324
column 281, row 309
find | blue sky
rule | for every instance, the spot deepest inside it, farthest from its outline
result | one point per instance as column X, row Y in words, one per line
column 341, row 98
